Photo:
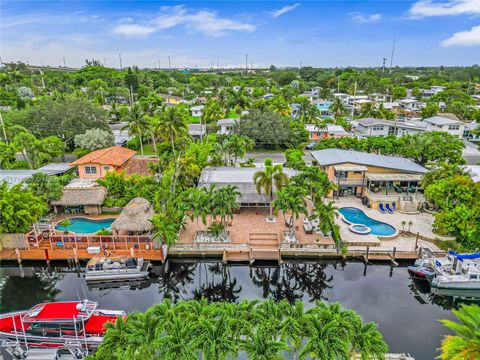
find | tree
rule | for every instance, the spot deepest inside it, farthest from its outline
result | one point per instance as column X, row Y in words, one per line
column 137, row 124
column 37, row 151
column 294, row 159
column 95, row 139
column 465, row 344
column 261, row 345
column 19, row 208
column 290, row 199
column 430, row 110
column 212, row 112
column 338, row 108
column 7, row 155
column 367, row 340
column 173, row 125
column 326, row 214
column 399, row 92
column 45, row 186
column 271, row 130
column 280, row 106
column 272, row 176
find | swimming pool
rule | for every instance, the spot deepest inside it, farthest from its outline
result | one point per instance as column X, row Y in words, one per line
column 81, row 225
column 357, row 216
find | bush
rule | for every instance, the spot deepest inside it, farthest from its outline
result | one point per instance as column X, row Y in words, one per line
column 133, row 143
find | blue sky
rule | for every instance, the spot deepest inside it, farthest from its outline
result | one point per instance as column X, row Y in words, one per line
column 197, row 33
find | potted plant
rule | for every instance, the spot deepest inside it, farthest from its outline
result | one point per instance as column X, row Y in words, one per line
column 104, row 232
column 215, row 230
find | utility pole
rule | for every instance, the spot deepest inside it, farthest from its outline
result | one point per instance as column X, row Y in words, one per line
column 383, row 65
column 120, row 58
column 104, row 62
column 300, row 64
column 391, row 59
column 246, row 65
column 64, row 63
column 169, row 64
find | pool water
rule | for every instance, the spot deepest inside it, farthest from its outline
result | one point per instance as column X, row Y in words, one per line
column 357, row 216
column 80, row 225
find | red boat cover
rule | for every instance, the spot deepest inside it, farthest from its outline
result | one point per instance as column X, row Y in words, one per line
column 96, row 324
column 6, row 324
column 58, row 310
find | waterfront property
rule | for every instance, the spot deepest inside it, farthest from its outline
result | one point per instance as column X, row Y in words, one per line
column 378, row 179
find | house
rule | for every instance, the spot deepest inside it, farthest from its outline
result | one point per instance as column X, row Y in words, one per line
column 97, row 163
column 242, row 178
column 324, row 108
column 331, row 130
column 432, row 91
column 226, row 126
column 446, row 123
column 468, row 132
column 197, row 110
column 380, row 127
column 121, row 135
column 197, row 131
column 411, row 104
column 412, row 77
column 14, row 177
column 171, row 100
column 375, row 178
column 380, row 98
column 294, row 108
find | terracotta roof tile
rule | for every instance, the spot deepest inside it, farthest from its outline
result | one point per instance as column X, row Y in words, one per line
column 138, row 165
column 115, row 156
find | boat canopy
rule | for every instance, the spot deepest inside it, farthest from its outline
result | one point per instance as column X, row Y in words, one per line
column 465, row 256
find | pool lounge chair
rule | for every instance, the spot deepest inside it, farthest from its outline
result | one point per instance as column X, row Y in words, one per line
column 389, row 209
column 381, row 208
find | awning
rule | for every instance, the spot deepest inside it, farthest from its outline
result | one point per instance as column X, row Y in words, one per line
column 394, row 177
column 350, row 168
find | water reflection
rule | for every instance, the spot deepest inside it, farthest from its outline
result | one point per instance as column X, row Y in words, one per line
column 380, row 293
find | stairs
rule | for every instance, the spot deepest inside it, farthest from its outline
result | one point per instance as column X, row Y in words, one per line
column 264, row 246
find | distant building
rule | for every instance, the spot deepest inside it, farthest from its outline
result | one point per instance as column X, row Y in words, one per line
column 197, row 110
column 380, row 127
column 324, row 108
column 468, row 132
column 331, row 130
column 197, row 131
column 226, row 126
column 171, row 100
column 446, row 124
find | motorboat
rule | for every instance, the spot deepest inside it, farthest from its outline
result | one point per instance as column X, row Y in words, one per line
column 422, row 272
column 116, row 269
column 58, row 324
column 463, row 275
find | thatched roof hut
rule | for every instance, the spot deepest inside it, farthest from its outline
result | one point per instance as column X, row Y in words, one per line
column 135, row 217
column 74, row 197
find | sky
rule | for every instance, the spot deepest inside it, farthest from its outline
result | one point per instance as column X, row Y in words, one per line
column 197, row 33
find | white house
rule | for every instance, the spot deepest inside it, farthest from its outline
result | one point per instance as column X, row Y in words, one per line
column 432, row 91
column 225, row 126
column 197, row 131
column 380, row 127
column 468, row 132
column 197, row 110
column 411, row 104
column 451, row 126
column 331, row 130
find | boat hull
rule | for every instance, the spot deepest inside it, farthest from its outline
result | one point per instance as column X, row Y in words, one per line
column 420, row 272
column 115, row 276
column 455, row 285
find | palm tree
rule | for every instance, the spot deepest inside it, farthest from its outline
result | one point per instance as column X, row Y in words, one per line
column 465, row 344
column 114, row 345
column 212, row 112
column 280, row 106
column 137, row 124
column 173, row 125
column 239, row 145
column 261, row 345
column 368, row 341
column 215, row 340
column 266, row 179
column 225, row 202
column 291, row 199
column 338, row 108
column 326, row 214
column 165, row 230
column 292, row 327
column 154, row 128
column 368, row 110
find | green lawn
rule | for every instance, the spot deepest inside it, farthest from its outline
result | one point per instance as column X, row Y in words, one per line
column 147, row 150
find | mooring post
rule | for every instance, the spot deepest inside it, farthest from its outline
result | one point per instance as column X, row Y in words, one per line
column 19, row 258
column 366, row 256
column 416, row 241
column 394, row 254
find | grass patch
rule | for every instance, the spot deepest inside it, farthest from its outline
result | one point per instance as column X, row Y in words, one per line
column 147, row 150
column 194, row 119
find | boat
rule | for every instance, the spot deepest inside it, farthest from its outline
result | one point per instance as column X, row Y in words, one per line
column 116, row 269
column 423, row 272
column 58, row 324
column 464, row 275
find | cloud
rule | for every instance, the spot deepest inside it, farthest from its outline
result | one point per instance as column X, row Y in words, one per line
column 284, row 10
column 424, row 8
column 365, row 19
column 207, row 22
column 464, row 38
column 133, row 30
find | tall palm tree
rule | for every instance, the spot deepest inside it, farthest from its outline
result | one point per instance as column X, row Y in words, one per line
column 212, row 112
column 292, row 328
column 173, row 125
column 154, row 128
column 215, row 340
column 368, row 110
column 280, row 106
column 137, row 124
column 338, row 108
column 326, row 214
column 225, row 201
column 291, row 199
column 261, row 345
column 270, row 176
column 465, row 344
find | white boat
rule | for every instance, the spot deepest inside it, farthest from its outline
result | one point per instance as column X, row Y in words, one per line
column 464, row 274
column 116, row 269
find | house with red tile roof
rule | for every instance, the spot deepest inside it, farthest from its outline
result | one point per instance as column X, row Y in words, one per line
column 97, row 163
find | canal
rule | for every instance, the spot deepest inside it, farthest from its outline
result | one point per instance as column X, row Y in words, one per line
column 406, row 312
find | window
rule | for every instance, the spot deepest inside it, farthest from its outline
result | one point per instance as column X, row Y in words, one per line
column 106, row 168
column 377, row 128
column 91, row 170
column 453, row 127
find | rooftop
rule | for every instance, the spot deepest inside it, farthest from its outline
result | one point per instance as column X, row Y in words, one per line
column 331, row 129
column 229, row 121
column 329, row 157
column 114, row 155
column 441, row 120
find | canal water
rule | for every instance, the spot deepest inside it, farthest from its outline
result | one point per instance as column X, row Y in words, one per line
column 406, row 312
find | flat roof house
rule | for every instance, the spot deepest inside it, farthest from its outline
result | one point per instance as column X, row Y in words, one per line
column 242, row 178
column 380, row 127
column 331, row 130
column 225, row 126
column 197, row 110
column 376, row 178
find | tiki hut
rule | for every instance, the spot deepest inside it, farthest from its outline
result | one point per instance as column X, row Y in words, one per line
column 90, row 200
column 135, row 218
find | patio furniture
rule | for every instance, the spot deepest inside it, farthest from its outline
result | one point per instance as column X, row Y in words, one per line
column 394, row 206
column 389, row 209
column 381, row 208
